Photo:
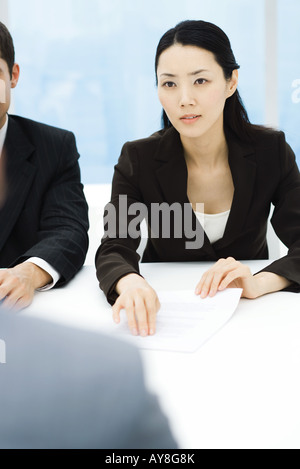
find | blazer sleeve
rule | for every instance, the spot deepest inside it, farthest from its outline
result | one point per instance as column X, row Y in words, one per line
column 286, row 216
column 62, row 239
column 117, row 255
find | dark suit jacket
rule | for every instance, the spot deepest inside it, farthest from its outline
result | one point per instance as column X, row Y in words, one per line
column 63, row 388
column 153, row 170
column 45, row 213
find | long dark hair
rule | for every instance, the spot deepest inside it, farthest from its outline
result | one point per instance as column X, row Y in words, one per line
column 209, row 37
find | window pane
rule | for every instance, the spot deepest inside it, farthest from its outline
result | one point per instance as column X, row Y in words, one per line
column 289, row 71
column 88, row 66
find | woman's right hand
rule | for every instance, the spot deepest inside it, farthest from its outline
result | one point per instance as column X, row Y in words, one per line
column 140, row 302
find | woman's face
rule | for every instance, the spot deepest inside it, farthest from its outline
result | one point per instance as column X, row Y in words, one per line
column 193, row 90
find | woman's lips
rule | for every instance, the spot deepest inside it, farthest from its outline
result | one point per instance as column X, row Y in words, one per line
column 190, row 118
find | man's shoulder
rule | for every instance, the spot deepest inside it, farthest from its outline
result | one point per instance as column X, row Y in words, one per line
column 34, row 129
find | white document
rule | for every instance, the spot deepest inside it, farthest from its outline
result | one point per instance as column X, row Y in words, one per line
column 185, row 321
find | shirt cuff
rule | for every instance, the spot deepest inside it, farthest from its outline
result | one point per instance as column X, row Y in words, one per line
column 49, row 269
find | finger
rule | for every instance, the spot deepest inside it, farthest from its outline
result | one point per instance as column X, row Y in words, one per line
column 116, row 309
column 128, row 306
column 215, row 275
column 222, row 272
column 6, row 287
column 228, row 280
column 206, row 285
column 220, row 262
column 3, row 293
column 200, row 284
column 229, row 260
column 17, row 292
column 16, row 303
column 131, row 319
column 239, row 272
column 10, row 301
column 152, row 308
column 7, row 294
column 142, row 316
column 215, row 283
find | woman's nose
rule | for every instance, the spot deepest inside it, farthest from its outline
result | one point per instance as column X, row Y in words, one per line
column 186, row 98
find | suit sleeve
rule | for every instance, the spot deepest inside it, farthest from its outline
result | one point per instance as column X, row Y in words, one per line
column 117, row 255
column 154, row 429
column 62, row 239
column 82, row 390
column 286, row 217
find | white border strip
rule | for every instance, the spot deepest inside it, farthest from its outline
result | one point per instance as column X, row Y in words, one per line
column 271, row 64
column 4, row 14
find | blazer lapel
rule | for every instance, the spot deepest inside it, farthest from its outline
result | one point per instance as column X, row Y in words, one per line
column 19, row 174
column 171, row 170
column 172, row 176
column 243, row 169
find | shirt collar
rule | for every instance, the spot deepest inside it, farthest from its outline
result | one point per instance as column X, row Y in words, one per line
column 3, row 133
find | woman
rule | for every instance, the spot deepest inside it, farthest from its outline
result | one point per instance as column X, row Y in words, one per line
column 208, row 153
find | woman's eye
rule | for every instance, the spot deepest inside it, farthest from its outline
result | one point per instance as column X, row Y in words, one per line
column 169, row 84
column 200, row 81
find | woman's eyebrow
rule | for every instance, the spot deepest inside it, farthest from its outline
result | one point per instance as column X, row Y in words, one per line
column 171, row 75
column 167, row 75
column 199, row 71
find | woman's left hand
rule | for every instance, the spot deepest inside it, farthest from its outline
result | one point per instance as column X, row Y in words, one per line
column 228, row 273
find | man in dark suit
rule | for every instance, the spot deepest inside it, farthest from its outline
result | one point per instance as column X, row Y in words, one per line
column 63, row 388
column 43, row 213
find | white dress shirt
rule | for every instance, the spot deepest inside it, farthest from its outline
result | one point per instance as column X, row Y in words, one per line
column 34, row 260
column 3, row 132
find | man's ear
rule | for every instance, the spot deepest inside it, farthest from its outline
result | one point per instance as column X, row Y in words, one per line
column 15, row 75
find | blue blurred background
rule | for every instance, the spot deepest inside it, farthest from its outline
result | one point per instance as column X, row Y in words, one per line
column 88, row 66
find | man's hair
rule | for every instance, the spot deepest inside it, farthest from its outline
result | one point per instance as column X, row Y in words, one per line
column 7, row 50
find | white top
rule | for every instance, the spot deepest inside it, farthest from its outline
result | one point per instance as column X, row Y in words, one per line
column 213, row 224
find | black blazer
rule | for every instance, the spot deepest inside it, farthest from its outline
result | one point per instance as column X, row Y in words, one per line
column 153, row 170
column 45, row 213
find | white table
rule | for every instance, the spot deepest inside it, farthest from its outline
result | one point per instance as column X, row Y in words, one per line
column 241, row 389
